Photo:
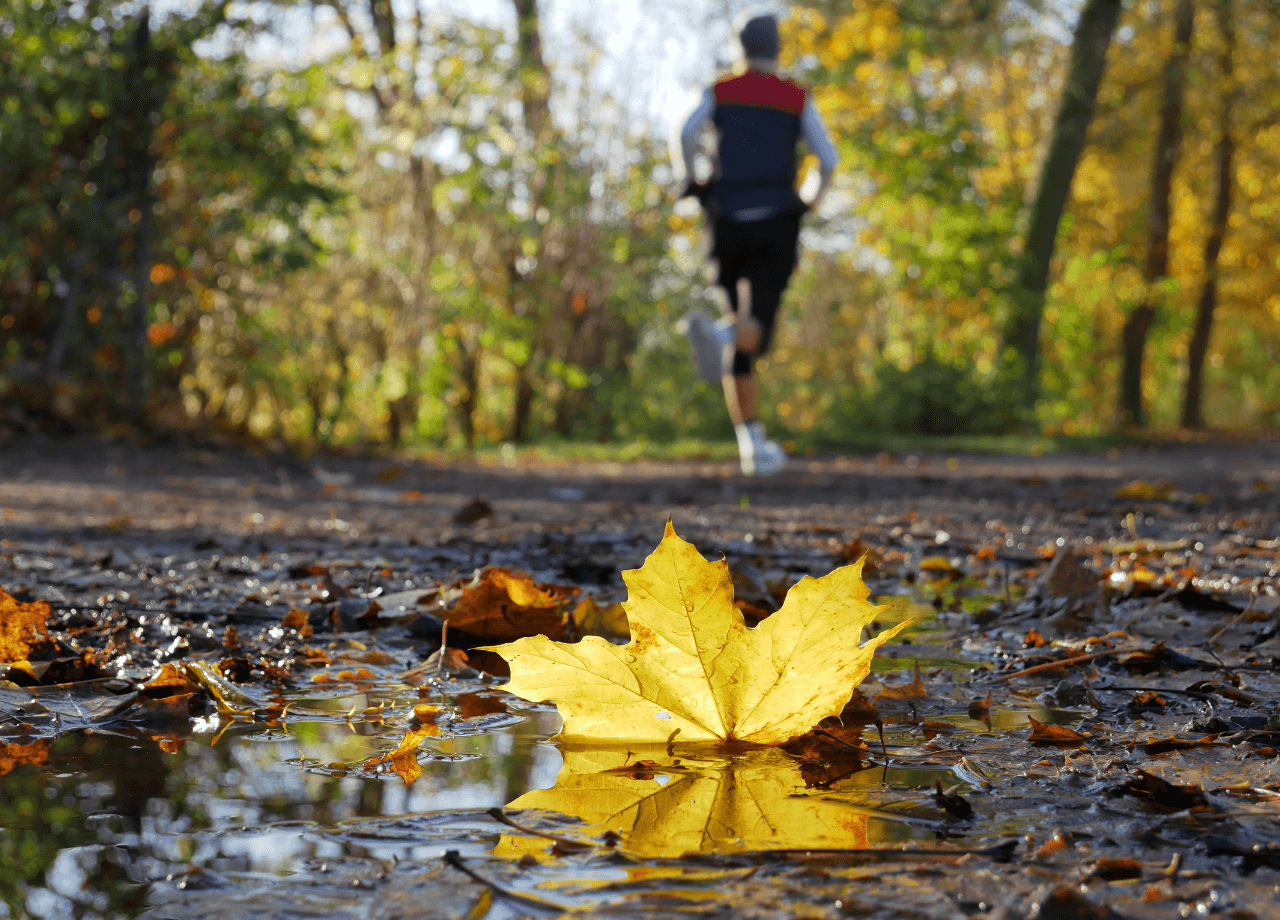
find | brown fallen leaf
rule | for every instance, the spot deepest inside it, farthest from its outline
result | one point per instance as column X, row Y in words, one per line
column 1033, row 639
column 980, row 710
column 1161, row 793
column 908, row 693
column 477, row 705
column 1113, row 870
column 506, row 605
column 297, row 619
column 1045, row 733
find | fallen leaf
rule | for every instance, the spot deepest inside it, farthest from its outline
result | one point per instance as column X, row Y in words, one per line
column 404, row 759
column 501, row 604
column 1162, row 793
column 693, row 670
column 908, row 692
column 980, row 710
column 297, row 619
column 665, row 806
column 22, row 626
column 1044, row 733
column 1113, row 870
column 594, row 620
column 1141, row 490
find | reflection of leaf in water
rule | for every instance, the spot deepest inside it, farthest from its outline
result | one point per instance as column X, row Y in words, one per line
column 12, row 755
column 673, row 805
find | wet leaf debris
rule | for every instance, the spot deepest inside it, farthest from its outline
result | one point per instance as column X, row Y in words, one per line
column 246, row 721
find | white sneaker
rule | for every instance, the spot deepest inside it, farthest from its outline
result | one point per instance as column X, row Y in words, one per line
column 758, row 455
column 709, row 340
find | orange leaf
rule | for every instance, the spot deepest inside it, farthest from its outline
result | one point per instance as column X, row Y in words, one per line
column 21, row 627
column 501, row 604
column 404, row 759
column 1044, row 733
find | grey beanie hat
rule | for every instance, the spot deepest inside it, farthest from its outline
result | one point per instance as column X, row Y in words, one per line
column 759, row 38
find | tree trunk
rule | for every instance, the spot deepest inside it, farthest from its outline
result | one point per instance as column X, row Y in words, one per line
column 1133, row 339
column 142, row 167
column 1193, row 397
column 535, row 78
column 1079, row 96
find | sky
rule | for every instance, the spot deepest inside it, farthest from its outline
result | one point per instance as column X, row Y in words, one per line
column 656, row 55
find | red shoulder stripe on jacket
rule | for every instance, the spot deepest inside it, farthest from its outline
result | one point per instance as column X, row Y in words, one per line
column 761, row 89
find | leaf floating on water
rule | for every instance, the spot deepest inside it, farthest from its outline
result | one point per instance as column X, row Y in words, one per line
column 404, row 759
column 693, row 671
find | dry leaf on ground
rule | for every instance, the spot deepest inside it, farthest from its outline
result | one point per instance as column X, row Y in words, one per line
column 693, row 671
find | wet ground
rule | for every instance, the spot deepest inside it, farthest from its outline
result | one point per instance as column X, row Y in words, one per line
column 263, row 725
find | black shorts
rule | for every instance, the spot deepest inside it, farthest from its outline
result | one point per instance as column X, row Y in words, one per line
column 764, row 252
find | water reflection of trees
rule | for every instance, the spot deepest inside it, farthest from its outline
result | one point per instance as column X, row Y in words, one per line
column 108, row 814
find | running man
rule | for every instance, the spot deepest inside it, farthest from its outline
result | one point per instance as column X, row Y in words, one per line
column 753, row 214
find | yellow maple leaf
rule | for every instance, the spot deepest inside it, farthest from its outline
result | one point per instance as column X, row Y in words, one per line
column 693, row 671
column 664, row 806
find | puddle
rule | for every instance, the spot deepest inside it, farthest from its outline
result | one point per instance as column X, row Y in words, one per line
column 94, row 819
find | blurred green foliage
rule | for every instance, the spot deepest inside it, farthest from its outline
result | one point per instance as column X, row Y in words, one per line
column 396, row 245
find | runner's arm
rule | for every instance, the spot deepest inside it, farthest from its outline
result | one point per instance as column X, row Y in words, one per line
column 814, row 134
column 689, row 133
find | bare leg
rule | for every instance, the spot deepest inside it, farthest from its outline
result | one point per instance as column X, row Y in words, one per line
column 741, row 391
column 742, row 396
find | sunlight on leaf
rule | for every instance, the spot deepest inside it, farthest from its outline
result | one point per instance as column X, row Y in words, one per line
column 693, row 670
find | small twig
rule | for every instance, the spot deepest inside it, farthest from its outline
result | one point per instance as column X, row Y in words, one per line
column 453, row 859
column 444, row 648
column 1001, row 851
column 1213, row 640
column 501, row 817
column 1067, row 662
column 1194, row 694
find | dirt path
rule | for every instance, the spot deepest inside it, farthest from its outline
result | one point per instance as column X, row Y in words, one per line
column 81, row 489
